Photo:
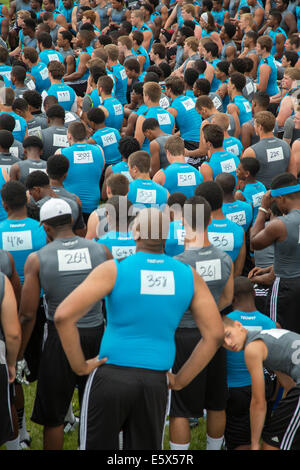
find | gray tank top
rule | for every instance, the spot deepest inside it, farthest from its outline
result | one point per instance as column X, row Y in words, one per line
column 36, row 125
column 64, row 264
column 71, row 117
column 74, row 207
column 231, row 128
column 283, row 350
column 5, row 264
column 161, row 140
column 62, row 192
column 273, row 155
column 54, row 138
column 249, row 89
column 17, row 150
column 28, row 166
column 7, row 160
column 287, row 253
column 214, row 266
column 218, row 104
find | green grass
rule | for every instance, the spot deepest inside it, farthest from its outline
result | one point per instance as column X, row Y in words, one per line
column 198, row 434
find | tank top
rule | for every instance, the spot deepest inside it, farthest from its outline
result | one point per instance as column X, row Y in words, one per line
column 182, row 178
column 175, row 242
column 2, row 337
column 233, row 145
column 85, row 76
column 146, row 193
column 102, row 12
column 227, row 236
column 161, row 140
column 120, row 244
column 253, row 194
column 244, row 107
column 187, row 113
column 40, row 74
column 54, row 138
column 165, row 119
column 65, row 95
column 64, row 264
column 49, row 55
column 122, row 167
column 273, row 155
column 7, row 160
column 239, row 212
column 272, row 88
column 121, row 83
column 115, row 113
column 214, row 266
column 108, row 139
column 28, row 166
column 223, row 162
column 150, row 284
column 287, row 252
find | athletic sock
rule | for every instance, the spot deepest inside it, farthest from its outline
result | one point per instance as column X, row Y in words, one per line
column 13, row 445
column 175, row 446
column 214, row 443
column 22, row 425
column 70, row 418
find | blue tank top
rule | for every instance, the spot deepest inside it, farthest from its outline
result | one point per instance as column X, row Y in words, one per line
column 298, row 17
column 20, row 238
column 142, row 51
column 187, row 114
column 237, row 371
column 20, row 126
column 116, row 113
column 273, row 35
column 253, row 194
column 3, row 213
column 223, row 162
column 239, row 212
column 175, row 241
column 40, row 74
column 244, row 107
column 143, row 28
column 88, row 50
column 65, row 95
column 182, row 178
column 121, row 83
column 86, row 166
column 120, row 244
column 122, row 168
column 227, row 236
column 108, row 138
column 49, row 55
column 147, row 193
column 144, row 309
column 272, row 88
column 95, row 98
column 66, row 12
column 215, row 84
column 165, row 120
column 233, row 145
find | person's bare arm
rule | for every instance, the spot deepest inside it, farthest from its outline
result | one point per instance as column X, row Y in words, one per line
column 14, row 172
column 15, row 280
column 82, row 67
column 206, row 172
column 247, row 131
column 139, row 135
column 92, row 226
column 227, row 295
column 208, row 319
column 264, row 74
column 234, row 111
column 108, row 172
column 240, row 260
column 159, row 177
column 155, row 158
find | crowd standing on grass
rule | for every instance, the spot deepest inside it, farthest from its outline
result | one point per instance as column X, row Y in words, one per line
column 150, row 222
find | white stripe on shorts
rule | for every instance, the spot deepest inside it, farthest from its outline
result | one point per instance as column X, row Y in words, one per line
column 273, row 301
column 84, row 410
column 294, row 424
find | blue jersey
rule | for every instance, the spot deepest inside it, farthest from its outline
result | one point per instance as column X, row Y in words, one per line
column 142, row 51
column 253, row 194
column 108, row 138
column 86, row 166
column 49, row 55
column 237, row 371
column 143, row 335
column 116, row 113
column 272, row 88
column 244, row 107
column 20, row 126
column 122, row 168
column 239, row 212
column 41, row 77
column 65, row 95
column 95, row 98
column 175, row 242
column 5, row 71
column 20, row 238
column 143, row 28
column 120, row 244
column 85, row 76
column 227, row 236
column 146, row 193
column 223, row 162
column 273, row 35
column 121, row 82
column 216, row 83
column 182, row 178
column 165, row 120
column 233, row 145
column 3, row 213
column 187, row 114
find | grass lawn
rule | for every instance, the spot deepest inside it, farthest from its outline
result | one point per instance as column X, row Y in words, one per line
column 198, row 434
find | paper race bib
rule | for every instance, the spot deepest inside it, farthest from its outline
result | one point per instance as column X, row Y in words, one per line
column 14, row 151
column 63, row 95
column 128, row 175
column 123, row 74
column 163, row 119
column 249, row 88
column 186, row 179
column 157, row 282
column 118, row 109
column 209, row 270
column 15, row 241
column 237, row 217
column 74, row 260
column 35, row 131
column 17, row 126
column 273, row 155
column 188, row 104
column 44, row 73
column 180, row 235
column 108, row 139
column 146, row 196
column 60, row 140
column 52, row 57
column 228, row 166
column 83, row 156
column 119, row 252
column 37, row 169
column 164, row 102
column 224, row 241
column 256, row 199
column 217, row 103
column 69, row 117
column 247, row 106
column 233, row 149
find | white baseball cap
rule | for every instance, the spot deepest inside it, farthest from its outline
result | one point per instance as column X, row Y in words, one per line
column 54, row 207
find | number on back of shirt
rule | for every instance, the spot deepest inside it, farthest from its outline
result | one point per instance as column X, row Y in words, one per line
column 108, row 139
column 274, row 155
column 163, row 119
column 157, row 282
column 146, row 196
column 74, row 260
column 210, row 270
column 83, row 156
column 237, row 217
column 118, row 109
column 188, row 104
column 15, row 241
column 60, row 140
column 186, row 179
column 228, row 166
column 233, row 149
column 256, row 199
column 63, row 95
column 224, row 241
column 119, row 252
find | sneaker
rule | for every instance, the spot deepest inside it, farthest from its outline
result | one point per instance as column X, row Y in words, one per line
column 25, row 444
column 70, row 427
column 193, row 422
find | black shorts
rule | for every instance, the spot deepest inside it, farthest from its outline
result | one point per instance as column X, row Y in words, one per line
column 208, row 390
column 124, row 398
column 34, row 347
column 283, row 429
column 79, row 88
column 283, row 303
column 56, row 380
column 261, row 296
column 237, row 430
column 6, row 425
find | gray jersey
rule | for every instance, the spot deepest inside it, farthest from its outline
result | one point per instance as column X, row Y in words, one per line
column 287, row 252
column 273, row 155
column 78, row 222
column 5, row 263
column 62, row 192
column 20, row 91
column 71, row 117
column 64, row 53
column 214, row 266
column 224, row 48
column 17, row 150
column 36, row 124
column 54, row 138
column 218, row 104
column 64, row 264
column 7, row 160
column 249, row 89
column 231, row 128
column 28, row 166
column 283, row 350
column 54, row 33
column 161, row 140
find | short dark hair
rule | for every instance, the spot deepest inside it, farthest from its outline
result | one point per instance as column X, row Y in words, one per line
column 212, row 47
column 262, row 98
column 176, row 85
column 203, row 85
column 186, row 31
column 150, row 124
column 212, row 192
column 200, row 65
column 56, row 111
column 6, row 139
column 141, row 160
column 239, row 65
column 243, row 287
column 118, row 184
column 250, row 164
column 20, row 104
column 33, row 98
column 176, row 198
column 77, row 130
column 45, row 39
column 128, row 145
column 166, row 69
column 37, row 178
column 67, row 35
column 238, row 80
column 33, row 141
column 132, row 64
column 226, row 181
column 96, row 115
column 276, row 14
column 191, row 215
column 13, row 194
column 19, row 72
column 57, row 166
column 291, row 57
column 190, row 76
column 7, row 121
column 223, row 66
column 214, row 135
column 230, row 29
